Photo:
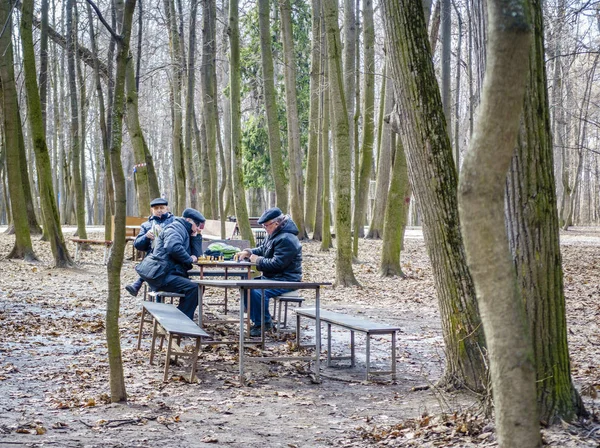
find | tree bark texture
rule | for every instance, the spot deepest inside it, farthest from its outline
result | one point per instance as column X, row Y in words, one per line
column 115, row 262
column 293, row 123
column 241, row 209
column 341, row 144
column 11, row 120
column 270, row 94
column 481, row 202
column 52, row 226
column 368, row 134
column 421, row 124
column 533, row 234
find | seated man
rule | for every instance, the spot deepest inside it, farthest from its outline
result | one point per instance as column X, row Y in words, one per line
column 176, row 245
column 160, row 216
column 279, row 258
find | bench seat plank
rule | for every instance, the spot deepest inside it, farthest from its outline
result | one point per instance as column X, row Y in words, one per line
column 350, row 322
column 173, row 320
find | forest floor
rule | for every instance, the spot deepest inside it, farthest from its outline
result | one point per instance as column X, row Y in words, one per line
column 54, row 368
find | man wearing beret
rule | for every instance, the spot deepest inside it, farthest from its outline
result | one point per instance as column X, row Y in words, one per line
column 279, row 258
column 177, row 244
column 160, row 216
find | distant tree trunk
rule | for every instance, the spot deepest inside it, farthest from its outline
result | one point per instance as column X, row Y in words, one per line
column 176, row 85
column 43, row 80
column 10, row 115
column 368, row 135
column 190, row 115
column 325, row 167
column 457, row 91
column 209, row 98
column 350, row 65
column 293, row 122
column 312, row 156
column 343, row 158
column 241, row 209
column 108, row 184
column 384, row 165
column 481, row 202
column 75, row 136
column 434, row 181
column 446, row 17
column 396, row 215
column 115, row 262
column 49, row 210
column 532, row 223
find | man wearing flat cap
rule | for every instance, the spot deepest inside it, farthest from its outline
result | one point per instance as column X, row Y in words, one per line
column 160, row 216
column 177, row 244
column 279, row 258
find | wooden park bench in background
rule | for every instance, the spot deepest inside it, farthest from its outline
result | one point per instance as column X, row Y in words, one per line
column 353, row 324
column 82, row 242
column 212, row 229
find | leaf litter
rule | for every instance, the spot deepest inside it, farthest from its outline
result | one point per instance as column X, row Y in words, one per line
column 55, row 377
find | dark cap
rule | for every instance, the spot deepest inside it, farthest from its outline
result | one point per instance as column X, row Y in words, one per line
column 158, row 201
column 194, row 215
column 270, row 214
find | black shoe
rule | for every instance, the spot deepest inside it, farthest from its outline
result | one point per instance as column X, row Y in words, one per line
column 255, row 329
column 132, row 290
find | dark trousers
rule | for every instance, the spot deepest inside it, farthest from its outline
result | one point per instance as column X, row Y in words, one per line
column 177, row 283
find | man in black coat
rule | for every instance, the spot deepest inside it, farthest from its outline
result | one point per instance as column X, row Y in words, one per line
column 178, row 244
column 279, row 258
column 160, row 216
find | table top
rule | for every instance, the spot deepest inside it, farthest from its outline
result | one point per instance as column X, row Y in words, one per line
column 260, row 284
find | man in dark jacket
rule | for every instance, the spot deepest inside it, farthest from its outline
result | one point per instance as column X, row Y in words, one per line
column 279, row 258
column 176, row 245
column 160, row 216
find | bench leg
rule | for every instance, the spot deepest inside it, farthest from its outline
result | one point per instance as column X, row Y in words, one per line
column 328, row 344
column 154, row 334
column 352, row 359
column 178, row 339
column 195, row 359
column 77, row 246
column 394, row 355
column 368, row 355
column 298, row 331
column 168, row 359
column 139, row 344
column 285, row 315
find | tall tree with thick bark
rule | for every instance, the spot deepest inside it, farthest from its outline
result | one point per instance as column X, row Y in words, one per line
column 176, row 106
column 52, row 226
column 434, row 182
column 368, row 133
column 533, row 234
column 239, row 197
column 270, row 95
column 293, row 122
column 343, row 158
column 481, row 202
column 209, row 98
column 11, row 120
column 115, row 262
column 75, row 135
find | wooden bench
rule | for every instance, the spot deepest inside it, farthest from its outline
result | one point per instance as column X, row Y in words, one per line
column 212, row 229
column 353, row 324
column 171, row 323
column 80, row 242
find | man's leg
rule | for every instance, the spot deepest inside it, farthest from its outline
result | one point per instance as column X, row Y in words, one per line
column 134, row 288
column 255, row 297
column 189, row 303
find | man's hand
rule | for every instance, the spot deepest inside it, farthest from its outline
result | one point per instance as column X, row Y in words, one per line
column 150, row 235
column 240, row 256
column 254, row 258
column 194, row 258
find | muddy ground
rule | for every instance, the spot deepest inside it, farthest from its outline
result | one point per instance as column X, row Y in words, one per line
column 54, row 369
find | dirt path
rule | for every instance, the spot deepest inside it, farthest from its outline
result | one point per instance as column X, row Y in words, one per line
column 54, row 371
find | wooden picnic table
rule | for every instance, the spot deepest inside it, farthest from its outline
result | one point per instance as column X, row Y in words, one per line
column 245, row 286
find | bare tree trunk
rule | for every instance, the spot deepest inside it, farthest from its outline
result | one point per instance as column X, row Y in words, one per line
column 115, row 262
column 343, row 157
column 49, row 210
column 434, row 182
column 241, row 209
column 293, row 123
column 11, row 120
column 368, row 135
